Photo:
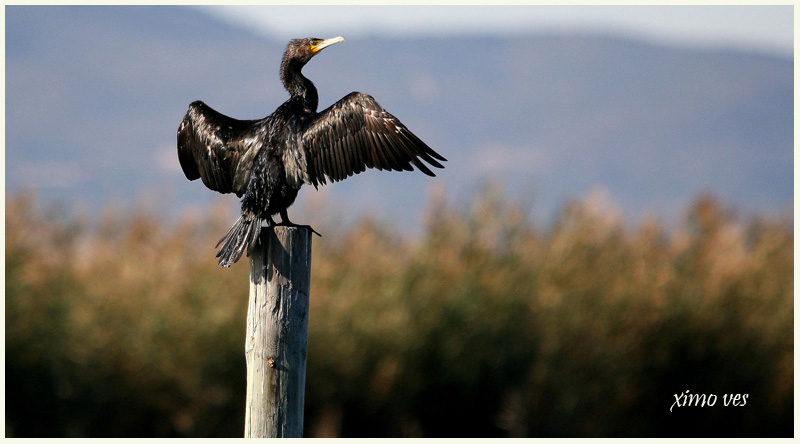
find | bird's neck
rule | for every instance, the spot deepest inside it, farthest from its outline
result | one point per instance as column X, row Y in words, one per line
column 300, row 88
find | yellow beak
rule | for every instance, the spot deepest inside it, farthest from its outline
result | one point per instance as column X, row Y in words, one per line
column 325, row 43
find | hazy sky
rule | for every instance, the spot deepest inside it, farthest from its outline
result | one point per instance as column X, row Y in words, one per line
column 764, row 28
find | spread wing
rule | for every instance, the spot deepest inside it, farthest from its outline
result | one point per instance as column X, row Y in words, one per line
column 354, row 134
column 217, row 148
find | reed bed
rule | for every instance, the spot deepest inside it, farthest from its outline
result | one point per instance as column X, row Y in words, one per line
column 486, row 324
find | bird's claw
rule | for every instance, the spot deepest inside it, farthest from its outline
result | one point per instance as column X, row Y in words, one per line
column 291, row 224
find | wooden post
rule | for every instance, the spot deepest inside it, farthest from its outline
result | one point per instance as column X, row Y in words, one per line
column 276, row 345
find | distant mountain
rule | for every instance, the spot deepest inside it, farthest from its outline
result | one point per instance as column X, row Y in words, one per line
column 94, row 96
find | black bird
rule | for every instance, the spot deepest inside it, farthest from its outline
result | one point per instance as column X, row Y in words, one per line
column 268, row 160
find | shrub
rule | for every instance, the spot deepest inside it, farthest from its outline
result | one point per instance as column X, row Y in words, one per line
column 485, row 325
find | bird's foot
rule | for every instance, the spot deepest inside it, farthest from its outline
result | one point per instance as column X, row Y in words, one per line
column 292, row 224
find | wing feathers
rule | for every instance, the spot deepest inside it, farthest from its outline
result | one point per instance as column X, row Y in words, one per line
column 214, row 147
column 355, row 134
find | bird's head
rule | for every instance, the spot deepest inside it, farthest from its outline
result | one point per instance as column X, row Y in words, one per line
column 303, row 50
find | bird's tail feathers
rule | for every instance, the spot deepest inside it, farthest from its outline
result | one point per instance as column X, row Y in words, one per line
column 242, row 236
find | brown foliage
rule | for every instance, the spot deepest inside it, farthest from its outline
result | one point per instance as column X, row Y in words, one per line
column 484, row 326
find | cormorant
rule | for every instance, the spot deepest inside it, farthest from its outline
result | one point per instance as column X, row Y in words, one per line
column 268, row 160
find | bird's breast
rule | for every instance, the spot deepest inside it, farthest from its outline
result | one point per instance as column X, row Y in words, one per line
column 292, row 155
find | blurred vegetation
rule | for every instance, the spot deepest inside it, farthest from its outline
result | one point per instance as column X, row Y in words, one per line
column 486, row 325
